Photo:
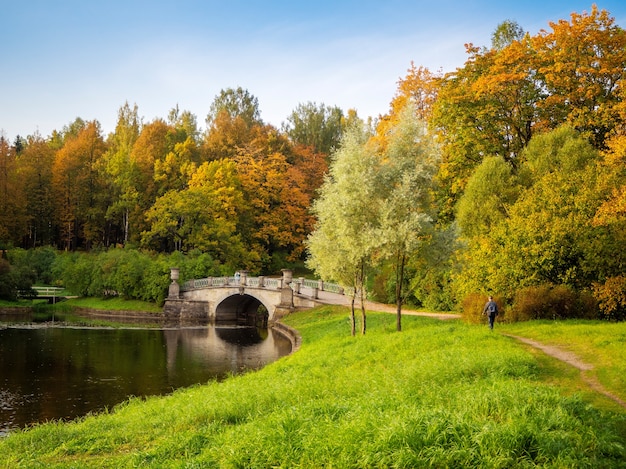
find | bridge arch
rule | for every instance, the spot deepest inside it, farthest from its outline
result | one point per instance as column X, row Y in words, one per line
column 242, row 308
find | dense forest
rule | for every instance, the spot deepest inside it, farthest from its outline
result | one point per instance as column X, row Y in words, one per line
column 505, row 176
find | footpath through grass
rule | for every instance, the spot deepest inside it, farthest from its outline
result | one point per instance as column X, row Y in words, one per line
column 438, row 394
column 598, row 343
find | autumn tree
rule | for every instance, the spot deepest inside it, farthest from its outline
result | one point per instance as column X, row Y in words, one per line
column 419, row 89
column 312, row 167
column 78, row 189
column 610, row 288
column 12, row 196
column 156, row 140
column 613, row 165
column 35, row 170
column 203, row 215
column 276, row 219
column 226, row 136
column 580, row 64
column 486, row 108
column 173, row 172
column 522, row 86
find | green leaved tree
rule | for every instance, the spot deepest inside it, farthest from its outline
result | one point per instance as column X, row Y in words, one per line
column 347, row 231
column 409, row 164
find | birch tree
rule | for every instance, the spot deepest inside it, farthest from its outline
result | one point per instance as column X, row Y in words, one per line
column 121, row 170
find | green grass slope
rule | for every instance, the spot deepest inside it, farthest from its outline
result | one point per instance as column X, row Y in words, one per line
column 438, row 394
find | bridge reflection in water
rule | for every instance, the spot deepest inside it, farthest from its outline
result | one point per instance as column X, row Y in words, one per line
column 224, row 348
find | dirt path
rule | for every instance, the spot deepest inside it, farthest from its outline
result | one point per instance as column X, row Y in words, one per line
column 383, row 308
column 572, row 360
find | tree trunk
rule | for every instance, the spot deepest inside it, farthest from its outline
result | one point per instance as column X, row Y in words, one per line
column 399, row 282
column 126, row 224
column 352, row 320
column 362, row 282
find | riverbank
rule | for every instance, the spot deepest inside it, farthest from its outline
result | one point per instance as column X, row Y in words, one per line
column 98, row 304
column 438, row 394
column 117, row 312
column 87, row 311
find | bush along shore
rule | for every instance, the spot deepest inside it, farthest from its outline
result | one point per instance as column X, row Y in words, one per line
column 437, row 394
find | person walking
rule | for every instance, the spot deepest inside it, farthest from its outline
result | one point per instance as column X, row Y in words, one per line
column 491, row 310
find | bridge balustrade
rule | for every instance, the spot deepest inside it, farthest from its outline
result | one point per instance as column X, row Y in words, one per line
column 266, row 282
column 257, row 282
column 275, row 283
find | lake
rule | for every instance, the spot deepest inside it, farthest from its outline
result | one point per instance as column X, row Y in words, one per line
column 51, row 371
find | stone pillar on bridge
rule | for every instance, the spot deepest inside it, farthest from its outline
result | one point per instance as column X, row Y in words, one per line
column 174, row 290
column 286, row 295
column 287, row 277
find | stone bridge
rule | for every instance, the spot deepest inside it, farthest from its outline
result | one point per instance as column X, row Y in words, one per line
column 245, row 300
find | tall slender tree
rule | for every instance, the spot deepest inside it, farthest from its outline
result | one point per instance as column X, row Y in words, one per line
column 12, row 196
column 78, row 188
column 121, row 170
column 409, row 165
column 347, row 232
column 35, row 162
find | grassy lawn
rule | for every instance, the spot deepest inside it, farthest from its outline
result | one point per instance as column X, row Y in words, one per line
column 114, row 304
column 438, row 394
column 110, row 304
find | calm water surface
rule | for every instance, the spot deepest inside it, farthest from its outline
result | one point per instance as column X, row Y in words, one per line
column 51, row 372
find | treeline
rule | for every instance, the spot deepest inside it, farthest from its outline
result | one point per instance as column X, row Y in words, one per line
column 239, row 191
column 128, row 273
column 505, row 176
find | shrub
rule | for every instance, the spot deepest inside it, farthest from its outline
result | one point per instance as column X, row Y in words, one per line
column 15, row 280
column 156, row 280
column 549, row 301
column 611, row 297
column 473, row 305
column 200, row 265
column 7, row 289
column 41, row 260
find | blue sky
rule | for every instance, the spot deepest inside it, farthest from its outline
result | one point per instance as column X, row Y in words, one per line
column 86, row 58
